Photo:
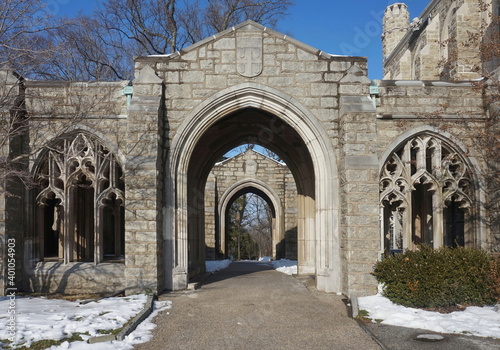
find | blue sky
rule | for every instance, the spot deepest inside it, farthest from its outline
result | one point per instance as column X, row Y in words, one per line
column 334, row 26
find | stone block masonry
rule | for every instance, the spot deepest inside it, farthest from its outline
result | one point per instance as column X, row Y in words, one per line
column 163, row 199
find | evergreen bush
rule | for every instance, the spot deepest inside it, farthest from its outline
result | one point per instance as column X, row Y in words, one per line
column 429, row 278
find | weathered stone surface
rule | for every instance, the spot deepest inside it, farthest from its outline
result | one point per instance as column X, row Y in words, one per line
column 330, row 207
column 435, row 45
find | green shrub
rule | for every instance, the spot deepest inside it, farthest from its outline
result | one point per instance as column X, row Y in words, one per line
column 429, row 278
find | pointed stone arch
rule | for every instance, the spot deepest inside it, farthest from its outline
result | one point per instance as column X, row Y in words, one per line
column 319, row 221
column 267, row 193
column 430, row 164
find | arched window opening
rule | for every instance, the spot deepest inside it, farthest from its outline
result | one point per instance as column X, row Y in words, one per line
column 448, row 44
column 80, row 214
column 426, row 196
column 393, row 222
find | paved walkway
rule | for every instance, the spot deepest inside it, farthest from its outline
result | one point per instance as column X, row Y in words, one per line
column 249, row 306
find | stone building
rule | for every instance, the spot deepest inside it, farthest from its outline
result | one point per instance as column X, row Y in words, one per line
column 444, row 43
column 126, row 171
column 251, row 172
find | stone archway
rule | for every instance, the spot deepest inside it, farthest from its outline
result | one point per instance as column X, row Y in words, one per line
column 265, row 192
column 282, row 124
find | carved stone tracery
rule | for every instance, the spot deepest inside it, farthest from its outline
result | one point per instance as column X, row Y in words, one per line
column 418, row 183
column 80, row 177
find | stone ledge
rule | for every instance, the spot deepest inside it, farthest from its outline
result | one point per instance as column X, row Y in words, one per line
column 423, row 117
column 130, row 327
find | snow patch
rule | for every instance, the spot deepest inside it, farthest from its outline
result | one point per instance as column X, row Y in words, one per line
column 285, row 266
column 478, row 321
column 41, row 318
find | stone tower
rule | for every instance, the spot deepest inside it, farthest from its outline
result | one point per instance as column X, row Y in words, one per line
column 395, row 25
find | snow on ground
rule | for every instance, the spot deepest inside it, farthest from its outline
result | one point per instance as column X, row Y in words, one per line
column 477, row 321
column 41, row 318
column 286, row 266
column 216, row 265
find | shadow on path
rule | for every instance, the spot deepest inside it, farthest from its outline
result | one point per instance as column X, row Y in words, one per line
column 237, row 269
column 249, row 305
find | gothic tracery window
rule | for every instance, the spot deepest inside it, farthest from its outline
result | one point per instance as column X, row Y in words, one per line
column 79, row 208
column 426, row 194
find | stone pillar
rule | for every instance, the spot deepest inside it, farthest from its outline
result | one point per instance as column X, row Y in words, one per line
column 306, row 235
column 144, row 185
column 359, row 184
column 211, row 204
column 290, row 218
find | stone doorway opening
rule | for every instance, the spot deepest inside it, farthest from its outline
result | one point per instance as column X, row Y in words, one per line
column 252, row 114
column 249, row 225
column 255, row 126
column 251, row 192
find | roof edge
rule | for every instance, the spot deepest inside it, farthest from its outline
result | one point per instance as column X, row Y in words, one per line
column 300, row 44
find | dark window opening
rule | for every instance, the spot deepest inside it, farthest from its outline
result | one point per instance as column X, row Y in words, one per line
column 52, row 228
column 455, row 225
column 83, row 227
column 113, row 231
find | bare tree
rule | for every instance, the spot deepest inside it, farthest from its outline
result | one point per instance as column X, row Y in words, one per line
column 23, row 25
column 259, row 222
column 237, row 231
column 222, row 14
column 87, row 51
column 103, row 45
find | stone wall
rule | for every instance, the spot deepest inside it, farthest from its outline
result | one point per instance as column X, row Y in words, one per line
column 76, row 278
column 452, row 111
column 57, row 109
column 144, row 191
column 427, row 99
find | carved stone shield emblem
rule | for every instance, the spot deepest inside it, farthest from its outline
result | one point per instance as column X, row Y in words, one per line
column 249, row 60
